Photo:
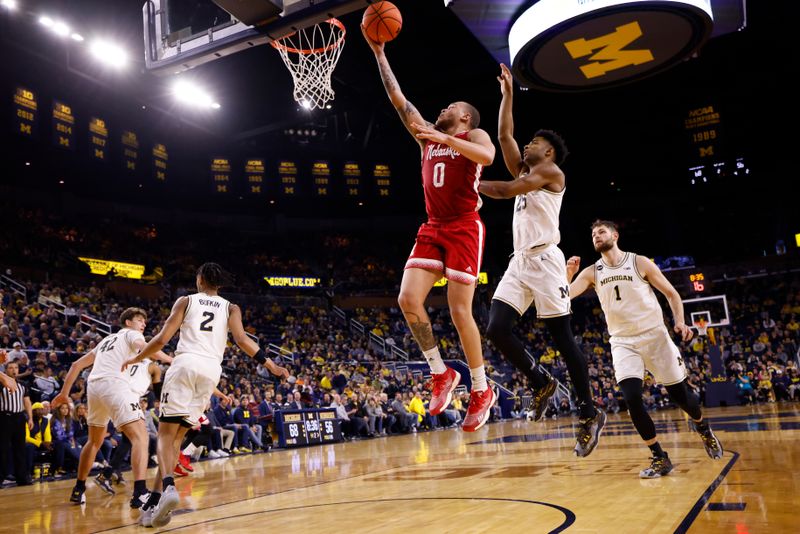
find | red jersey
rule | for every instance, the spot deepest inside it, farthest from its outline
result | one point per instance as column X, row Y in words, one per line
column 450, row 182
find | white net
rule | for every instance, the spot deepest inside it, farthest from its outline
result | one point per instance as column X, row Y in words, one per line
column 311, row 55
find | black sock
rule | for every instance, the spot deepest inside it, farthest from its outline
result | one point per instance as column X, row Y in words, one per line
column 561, row 331
column 168, row 481
column 139, row 487
column 702, row 426
column 107, row 470
column 586, row 410
column 80, row 484
column 152, row 500
column 657, row 450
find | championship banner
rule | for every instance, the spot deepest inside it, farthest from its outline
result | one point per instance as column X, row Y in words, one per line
column 383, row 180
column 25, row 108
column 221, row 175
column 63, row 126
column 98, row 138
column 255, row 169
column 321, row 174
column 160, row 158
column 703, row 126
column 130, row 150
column 287, row 172
column 352, row 180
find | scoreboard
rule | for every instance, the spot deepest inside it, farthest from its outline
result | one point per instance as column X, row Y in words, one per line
column 298, row 428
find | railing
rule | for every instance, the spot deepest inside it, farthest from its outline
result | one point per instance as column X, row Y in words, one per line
column 561, row 390
column 84, row 319
column 280, row 352
column 14, row 286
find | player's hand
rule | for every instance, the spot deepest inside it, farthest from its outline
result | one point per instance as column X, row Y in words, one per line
column 127, row 363
column 377, row 48
column 8, row 382
column 573, row 264
column 277, row 370
column 428, row 132
column 685, row 332
column 59, row 399
column 506, row 80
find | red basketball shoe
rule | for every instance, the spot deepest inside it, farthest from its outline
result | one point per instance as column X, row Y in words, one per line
column 185, row 462
column 479, row 409
column 442, row 386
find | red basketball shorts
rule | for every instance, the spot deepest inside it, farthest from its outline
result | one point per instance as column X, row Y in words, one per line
column 454, row 248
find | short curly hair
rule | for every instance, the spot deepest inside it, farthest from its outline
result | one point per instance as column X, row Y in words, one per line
column 557, row 142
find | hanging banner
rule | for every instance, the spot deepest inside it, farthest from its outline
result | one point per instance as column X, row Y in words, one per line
column 287, row 172
column 321, row 174
column 254, row 170
column 383, row 180
column 130, row 150
column 221, row 175
column 63, row 126
column 98, row 138
column 160, row 158
column 25, row 108
column 352, row 180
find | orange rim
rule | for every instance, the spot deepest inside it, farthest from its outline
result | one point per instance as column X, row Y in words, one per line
column 306, row 51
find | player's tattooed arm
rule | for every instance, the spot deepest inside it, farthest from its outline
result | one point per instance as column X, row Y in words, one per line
column 407, row 111
column 422, row 332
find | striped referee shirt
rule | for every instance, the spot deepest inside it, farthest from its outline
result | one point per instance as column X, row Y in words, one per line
column 11, row 402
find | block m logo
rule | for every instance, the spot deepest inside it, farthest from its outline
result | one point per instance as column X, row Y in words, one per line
column 610, row 54
column 706, row 151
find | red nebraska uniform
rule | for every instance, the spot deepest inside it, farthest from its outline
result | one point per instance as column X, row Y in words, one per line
column 452, row 240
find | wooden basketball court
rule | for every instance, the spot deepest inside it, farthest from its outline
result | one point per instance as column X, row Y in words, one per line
column 508, row 477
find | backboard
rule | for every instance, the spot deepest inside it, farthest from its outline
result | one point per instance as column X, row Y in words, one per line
column 182, row 34
column 713, row 310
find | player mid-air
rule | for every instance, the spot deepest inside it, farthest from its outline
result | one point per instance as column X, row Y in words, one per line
column 450, row 244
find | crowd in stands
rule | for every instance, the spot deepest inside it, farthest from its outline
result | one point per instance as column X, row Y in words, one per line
column 339, row 368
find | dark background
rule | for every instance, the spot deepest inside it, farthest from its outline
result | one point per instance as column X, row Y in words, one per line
column 629, row 151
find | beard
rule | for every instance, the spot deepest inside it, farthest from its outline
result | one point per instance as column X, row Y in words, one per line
column 444, row 123
column 604, row 246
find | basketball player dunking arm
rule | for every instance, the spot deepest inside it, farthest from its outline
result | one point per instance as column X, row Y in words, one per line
column 109, row 396
column 536, row 273
column 624, row 284
column 454, row 152
column 204, row 320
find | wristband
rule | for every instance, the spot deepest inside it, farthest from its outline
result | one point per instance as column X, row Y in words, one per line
column 260, row 356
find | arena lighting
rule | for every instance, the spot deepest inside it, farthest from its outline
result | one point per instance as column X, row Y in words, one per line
column 77, row 37
column 306, row 104
column 109, row 53
column 190, row 94
column 11, row 5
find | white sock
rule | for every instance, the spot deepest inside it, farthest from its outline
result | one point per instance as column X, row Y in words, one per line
column 478, row 378
column 435, row 361
column 190, row 448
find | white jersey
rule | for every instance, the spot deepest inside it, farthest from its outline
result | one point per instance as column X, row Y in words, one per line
column 139, row 376
column 204, row 331
column 627, row 299
column 536, row 219
column 112, row 352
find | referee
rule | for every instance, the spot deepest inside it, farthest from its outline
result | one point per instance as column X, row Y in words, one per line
column 15, row 406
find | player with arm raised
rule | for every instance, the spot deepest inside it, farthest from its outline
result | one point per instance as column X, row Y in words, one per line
column 536, row 273
column 624, row 285
column 204, row 320
column 450, row 244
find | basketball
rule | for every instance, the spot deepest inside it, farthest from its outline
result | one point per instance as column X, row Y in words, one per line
column 382, row 21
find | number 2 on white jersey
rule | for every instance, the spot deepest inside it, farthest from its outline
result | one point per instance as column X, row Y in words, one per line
column 438, row 174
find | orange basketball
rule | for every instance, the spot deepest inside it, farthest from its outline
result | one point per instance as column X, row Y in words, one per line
column 382, row 21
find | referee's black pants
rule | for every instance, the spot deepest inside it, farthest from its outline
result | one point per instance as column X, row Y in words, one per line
column 12, row 445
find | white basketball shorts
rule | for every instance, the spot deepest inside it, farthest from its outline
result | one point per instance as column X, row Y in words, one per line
column 653, row 350
column 188, row 386
column 111, row 398
column 538, row 277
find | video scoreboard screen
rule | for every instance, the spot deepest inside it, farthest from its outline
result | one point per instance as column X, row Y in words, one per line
column 308, row 427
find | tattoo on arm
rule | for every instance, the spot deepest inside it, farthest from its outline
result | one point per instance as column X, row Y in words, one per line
column 423, row 332
column 389, row 81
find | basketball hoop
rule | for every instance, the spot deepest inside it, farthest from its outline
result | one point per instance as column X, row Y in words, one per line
column 701, row 325
column 311, row 54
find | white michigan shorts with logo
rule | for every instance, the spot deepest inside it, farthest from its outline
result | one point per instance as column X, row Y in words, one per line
column 538, row 277
column 188, row 386
column 111, row 398
column 653, row 350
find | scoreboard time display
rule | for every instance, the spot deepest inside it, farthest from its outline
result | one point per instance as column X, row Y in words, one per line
column 298, row 428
